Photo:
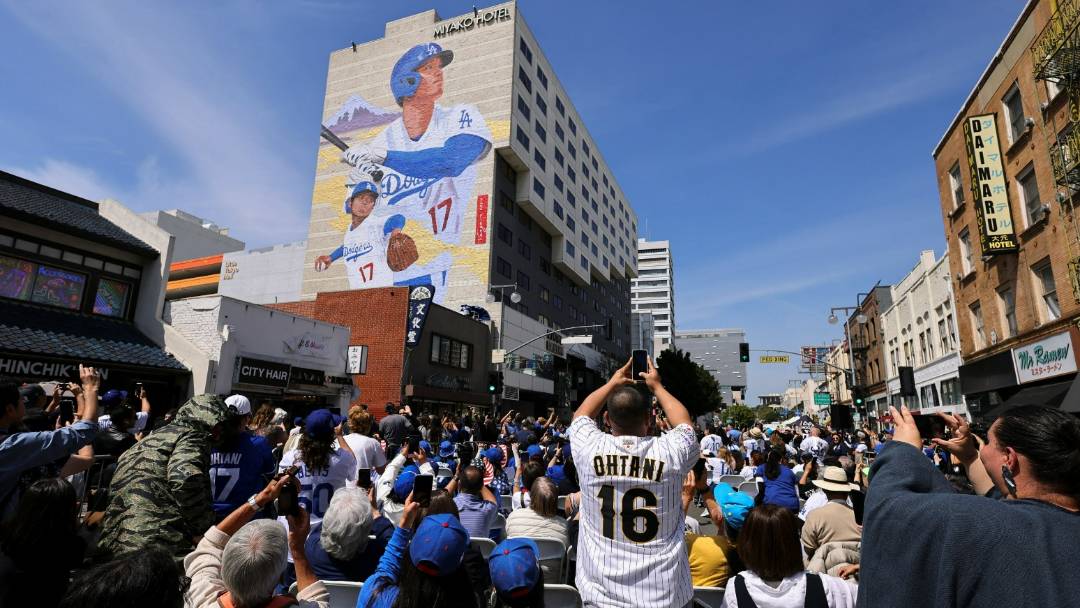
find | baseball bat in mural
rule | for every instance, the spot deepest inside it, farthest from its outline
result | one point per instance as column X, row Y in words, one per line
column 328, row 135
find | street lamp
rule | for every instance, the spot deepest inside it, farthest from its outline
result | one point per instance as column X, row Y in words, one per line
column 515, row 298
column 833, row 320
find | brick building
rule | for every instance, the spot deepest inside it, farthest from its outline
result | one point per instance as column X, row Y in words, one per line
column 1007, row 169
column 448, row 369
column 868, row 349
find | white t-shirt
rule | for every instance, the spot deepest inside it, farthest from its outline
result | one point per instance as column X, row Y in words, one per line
column 631, row 545
column 791, row 591
column 364, row 254
column 718, row 468
column 369, row 454
column 711, row 444
column 105, row 422
column 816, row 446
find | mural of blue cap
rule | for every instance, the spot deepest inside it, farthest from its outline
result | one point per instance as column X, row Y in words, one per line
column 404, row 79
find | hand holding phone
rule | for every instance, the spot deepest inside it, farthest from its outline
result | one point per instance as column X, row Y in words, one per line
column 288, row 502
column 363, row 478
column 639, row 365
column 422, row 490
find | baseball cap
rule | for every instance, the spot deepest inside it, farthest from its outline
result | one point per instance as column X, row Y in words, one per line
column 439, row 544
column 113, row 396
column 494, row 455
column 426, row 446
column 734, row 505
column 515, row 567
column 534, row 451
column 239, row 404
column 360, row 188
column 446, row 449
column 321, row 423
column 403, row 485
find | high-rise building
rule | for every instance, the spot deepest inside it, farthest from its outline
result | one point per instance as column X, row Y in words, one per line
column 1008, row 172
column 480, row 159
column 717, row 350
column 653, row 291
column 642, row 333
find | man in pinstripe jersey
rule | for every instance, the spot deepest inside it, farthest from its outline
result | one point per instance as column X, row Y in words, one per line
column 631, row 544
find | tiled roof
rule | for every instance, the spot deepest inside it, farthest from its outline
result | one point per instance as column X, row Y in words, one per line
column 55, row 333
column 33, row 202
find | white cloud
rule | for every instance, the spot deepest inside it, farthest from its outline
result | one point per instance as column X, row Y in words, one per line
column 67, row 177
column 159, row 62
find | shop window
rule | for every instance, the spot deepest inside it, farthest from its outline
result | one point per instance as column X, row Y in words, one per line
column 447, row 351
column 16, row 278
column 111, row 298
column 56, row 287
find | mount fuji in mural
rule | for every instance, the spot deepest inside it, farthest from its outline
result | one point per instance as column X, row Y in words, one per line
column 356, row 113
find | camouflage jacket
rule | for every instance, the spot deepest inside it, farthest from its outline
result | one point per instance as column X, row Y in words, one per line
column 160, row 493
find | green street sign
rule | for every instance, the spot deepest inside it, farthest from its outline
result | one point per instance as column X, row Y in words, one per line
column 822, row 399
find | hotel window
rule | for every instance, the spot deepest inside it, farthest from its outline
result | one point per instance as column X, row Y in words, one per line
column 539, row 158
column 545, row 266
column 525, row 80
column 1007, row 300
column 505, row 235
column 558, row 210
column 545, row 295
column 559, row 106
column 541, row 76
column 571, row 224
column 541, row 104
column 1014, row 113
column 503, row 267
column 1029, row 194
column 558, row 183
column 559, row 132
column 570, row 249
column 956, row 183
column 1044, row 283
column 571, row 174
column 522, row 138
column 585, row 148
column 542, row 318
column 573, row 127
column 523, row 107
column 524, row 249
column 573, row 151
column 570, row 199
column 540, row 131
column 559, row 157
column 977, row 326
column 538, row 188
column 525, row 50
column 965, row 252
column 523, row 281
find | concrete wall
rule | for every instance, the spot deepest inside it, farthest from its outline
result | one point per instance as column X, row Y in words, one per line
column 718, row 351
column 193, row 240
column 264, row 276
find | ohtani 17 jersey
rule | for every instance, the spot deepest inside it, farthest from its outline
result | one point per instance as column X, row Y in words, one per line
column 364, row 253
column 631, row 546
column 430, row 179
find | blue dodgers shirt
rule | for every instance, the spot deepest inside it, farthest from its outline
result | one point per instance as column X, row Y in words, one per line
column 240, row 471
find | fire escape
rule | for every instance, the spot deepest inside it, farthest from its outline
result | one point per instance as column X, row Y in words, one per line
column 1055, row 57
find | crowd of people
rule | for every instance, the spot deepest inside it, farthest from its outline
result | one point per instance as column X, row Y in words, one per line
column 220, row 503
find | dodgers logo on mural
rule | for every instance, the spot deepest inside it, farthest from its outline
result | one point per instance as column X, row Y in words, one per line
column 412, row 182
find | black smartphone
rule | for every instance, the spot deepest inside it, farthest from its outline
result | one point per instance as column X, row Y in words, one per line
column 640, row 364
column 931, row 426
column 67, row 411
column 422, row 490
column 857, row 500
column 288, row 502
column 363, row 478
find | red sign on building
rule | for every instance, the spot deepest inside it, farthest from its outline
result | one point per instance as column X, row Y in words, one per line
column 481, row 219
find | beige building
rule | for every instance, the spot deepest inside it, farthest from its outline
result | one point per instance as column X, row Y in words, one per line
column 1008, row 168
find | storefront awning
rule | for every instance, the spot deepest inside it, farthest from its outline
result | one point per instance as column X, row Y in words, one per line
column 32, row 334
column 989, row 374
column 1053, row 394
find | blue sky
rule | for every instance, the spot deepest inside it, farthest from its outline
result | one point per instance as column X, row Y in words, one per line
column 784, row 148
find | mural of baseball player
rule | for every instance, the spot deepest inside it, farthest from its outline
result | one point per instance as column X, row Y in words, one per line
column 427, row 156
column 373, row 249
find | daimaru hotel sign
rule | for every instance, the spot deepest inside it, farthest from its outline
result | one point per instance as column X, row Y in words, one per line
column 989, row 192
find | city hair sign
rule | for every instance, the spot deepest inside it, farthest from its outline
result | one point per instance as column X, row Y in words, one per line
column 1044, row 359
column 988, row 189
column 479, row 18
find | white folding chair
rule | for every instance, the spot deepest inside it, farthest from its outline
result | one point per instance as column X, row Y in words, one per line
column 506, row 502
column 561, row 596
column 749, row 487
column 343, row 594
column 484, row 545
column 732, row 480
column 500, row 525
column 709, row 597
column 571, row 558
column 552, row 555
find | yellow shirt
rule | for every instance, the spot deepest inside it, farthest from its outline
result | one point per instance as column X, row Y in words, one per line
column 708, row 559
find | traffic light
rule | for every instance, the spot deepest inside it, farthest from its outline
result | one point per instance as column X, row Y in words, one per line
column 495, row 383
column 858, row 396
column 744, row 352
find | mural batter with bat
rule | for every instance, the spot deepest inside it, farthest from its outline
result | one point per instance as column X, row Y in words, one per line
column 424, row 161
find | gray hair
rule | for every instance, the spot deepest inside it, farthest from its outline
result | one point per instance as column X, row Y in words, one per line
column 347, row 523
column 280, row 416
column 253, row 560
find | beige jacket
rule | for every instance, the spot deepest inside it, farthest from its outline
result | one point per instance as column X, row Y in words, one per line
column 830, row 557
column 203, row 567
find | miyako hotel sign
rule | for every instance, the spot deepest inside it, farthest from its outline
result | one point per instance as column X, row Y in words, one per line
column 988, row 189
column 479, row 18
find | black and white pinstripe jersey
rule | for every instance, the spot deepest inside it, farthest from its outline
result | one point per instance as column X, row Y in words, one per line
column 630, row 542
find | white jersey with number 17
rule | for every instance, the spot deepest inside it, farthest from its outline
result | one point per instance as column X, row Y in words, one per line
column 631, row 546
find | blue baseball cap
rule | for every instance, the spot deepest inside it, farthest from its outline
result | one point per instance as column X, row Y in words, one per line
column 439, row 544
column 734, row 505
column 320, row 424
column 446, row 449
column 424, row 445
column 534, row 450
column 556, row 474
column 494, row 454
column 403, row 485
column 515, row 567
column 113, row 397
column 360, row 188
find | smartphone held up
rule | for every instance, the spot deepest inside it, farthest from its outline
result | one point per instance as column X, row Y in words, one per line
column 639, row 364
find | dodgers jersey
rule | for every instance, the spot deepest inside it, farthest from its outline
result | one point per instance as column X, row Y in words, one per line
column 427, row 189
column 317, row 487
column 364, row 252
column 631, row 545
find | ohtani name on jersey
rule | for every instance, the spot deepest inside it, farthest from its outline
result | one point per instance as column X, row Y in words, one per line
column 624, row 465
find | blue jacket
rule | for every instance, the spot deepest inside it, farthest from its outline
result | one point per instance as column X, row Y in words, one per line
column 386, row 574
column 924, row 545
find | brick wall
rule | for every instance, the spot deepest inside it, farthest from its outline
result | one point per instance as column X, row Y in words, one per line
column 1049, row 239
column 377, row 320
column 196, row 323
